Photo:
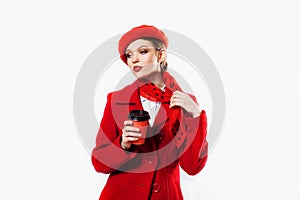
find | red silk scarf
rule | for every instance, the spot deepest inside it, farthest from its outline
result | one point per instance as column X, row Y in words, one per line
column 153, row 93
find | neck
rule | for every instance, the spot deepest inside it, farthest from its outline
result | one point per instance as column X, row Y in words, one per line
column 160, row 85
column 156, row 79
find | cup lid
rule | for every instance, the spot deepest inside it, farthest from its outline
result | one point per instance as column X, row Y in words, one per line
column 139, row 115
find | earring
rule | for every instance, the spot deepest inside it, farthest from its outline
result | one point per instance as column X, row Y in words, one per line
column 163, row 66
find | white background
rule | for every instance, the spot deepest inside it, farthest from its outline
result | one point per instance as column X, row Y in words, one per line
column 254, row 45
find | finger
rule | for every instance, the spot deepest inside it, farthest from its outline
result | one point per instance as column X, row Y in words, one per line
column 131, row 139
column 176, row 103
column 133, row 134
column 179, row 96
column 175, row 94
column 178, row 93
column 131, row 129
column 128, row 122
column 174, row 98
column 172, row 104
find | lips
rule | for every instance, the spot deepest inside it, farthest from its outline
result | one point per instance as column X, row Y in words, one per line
column 137, row 68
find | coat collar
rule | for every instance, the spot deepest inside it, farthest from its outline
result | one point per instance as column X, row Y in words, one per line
column 127, row 99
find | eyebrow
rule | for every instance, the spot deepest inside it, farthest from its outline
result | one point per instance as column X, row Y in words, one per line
column 138, row 47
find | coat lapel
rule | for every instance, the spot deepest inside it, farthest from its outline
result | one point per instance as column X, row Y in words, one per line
column 123, row 101
column 128, row 99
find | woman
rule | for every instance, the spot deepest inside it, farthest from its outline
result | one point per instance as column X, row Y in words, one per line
column 176, row 135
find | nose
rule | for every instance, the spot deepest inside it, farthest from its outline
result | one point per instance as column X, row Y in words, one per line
column 134, row 58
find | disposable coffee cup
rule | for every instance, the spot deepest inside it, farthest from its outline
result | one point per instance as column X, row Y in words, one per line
column 140, row 119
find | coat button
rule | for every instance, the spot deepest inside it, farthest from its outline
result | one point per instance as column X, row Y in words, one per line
column 155, row 187
column 150, row 161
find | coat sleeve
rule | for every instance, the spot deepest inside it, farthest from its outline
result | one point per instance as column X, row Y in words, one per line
column 107, row 155
column 195, row 146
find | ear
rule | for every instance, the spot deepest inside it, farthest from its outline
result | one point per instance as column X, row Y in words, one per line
column 162, row 55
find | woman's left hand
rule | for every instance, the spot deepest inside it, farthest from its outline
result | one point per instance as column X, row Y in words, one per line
column 186, row 102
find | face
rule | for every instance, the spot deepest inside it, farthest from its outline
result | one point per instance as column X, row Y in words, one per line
column 143, row 60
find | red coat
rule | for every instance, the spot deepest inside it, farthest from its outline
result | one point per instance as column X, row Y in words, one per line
column 149, row 170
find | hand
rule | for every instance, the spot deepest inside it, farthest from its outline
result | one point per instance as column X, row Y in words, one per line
column 186, row 102
column 130, row 134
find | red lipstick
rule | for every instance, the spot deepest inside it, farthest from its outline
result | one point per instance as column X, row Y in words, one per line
column 137, row 68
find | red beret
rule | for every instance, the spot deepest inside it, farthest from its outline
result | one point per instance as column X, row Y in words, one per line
column 137, row 33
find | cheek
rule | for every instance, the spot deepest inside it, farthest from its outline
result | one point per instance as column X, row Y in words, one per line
column 151, row 58
column 130, row 67
column 154, row 59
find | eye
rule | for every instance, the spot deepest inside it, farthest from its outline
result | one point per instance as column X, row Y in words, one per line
column 143, row 51
column 128, row 55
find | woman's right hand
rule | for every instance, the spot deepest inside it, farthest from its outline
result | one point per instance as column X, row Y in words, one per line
column 130, row 134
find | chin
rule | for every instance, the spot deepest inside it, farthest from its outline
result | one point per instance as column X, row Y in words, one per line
column 141, row 76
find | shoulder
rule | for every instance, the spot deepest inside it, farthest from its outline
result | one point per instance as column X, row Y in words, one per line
column 123, row 93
